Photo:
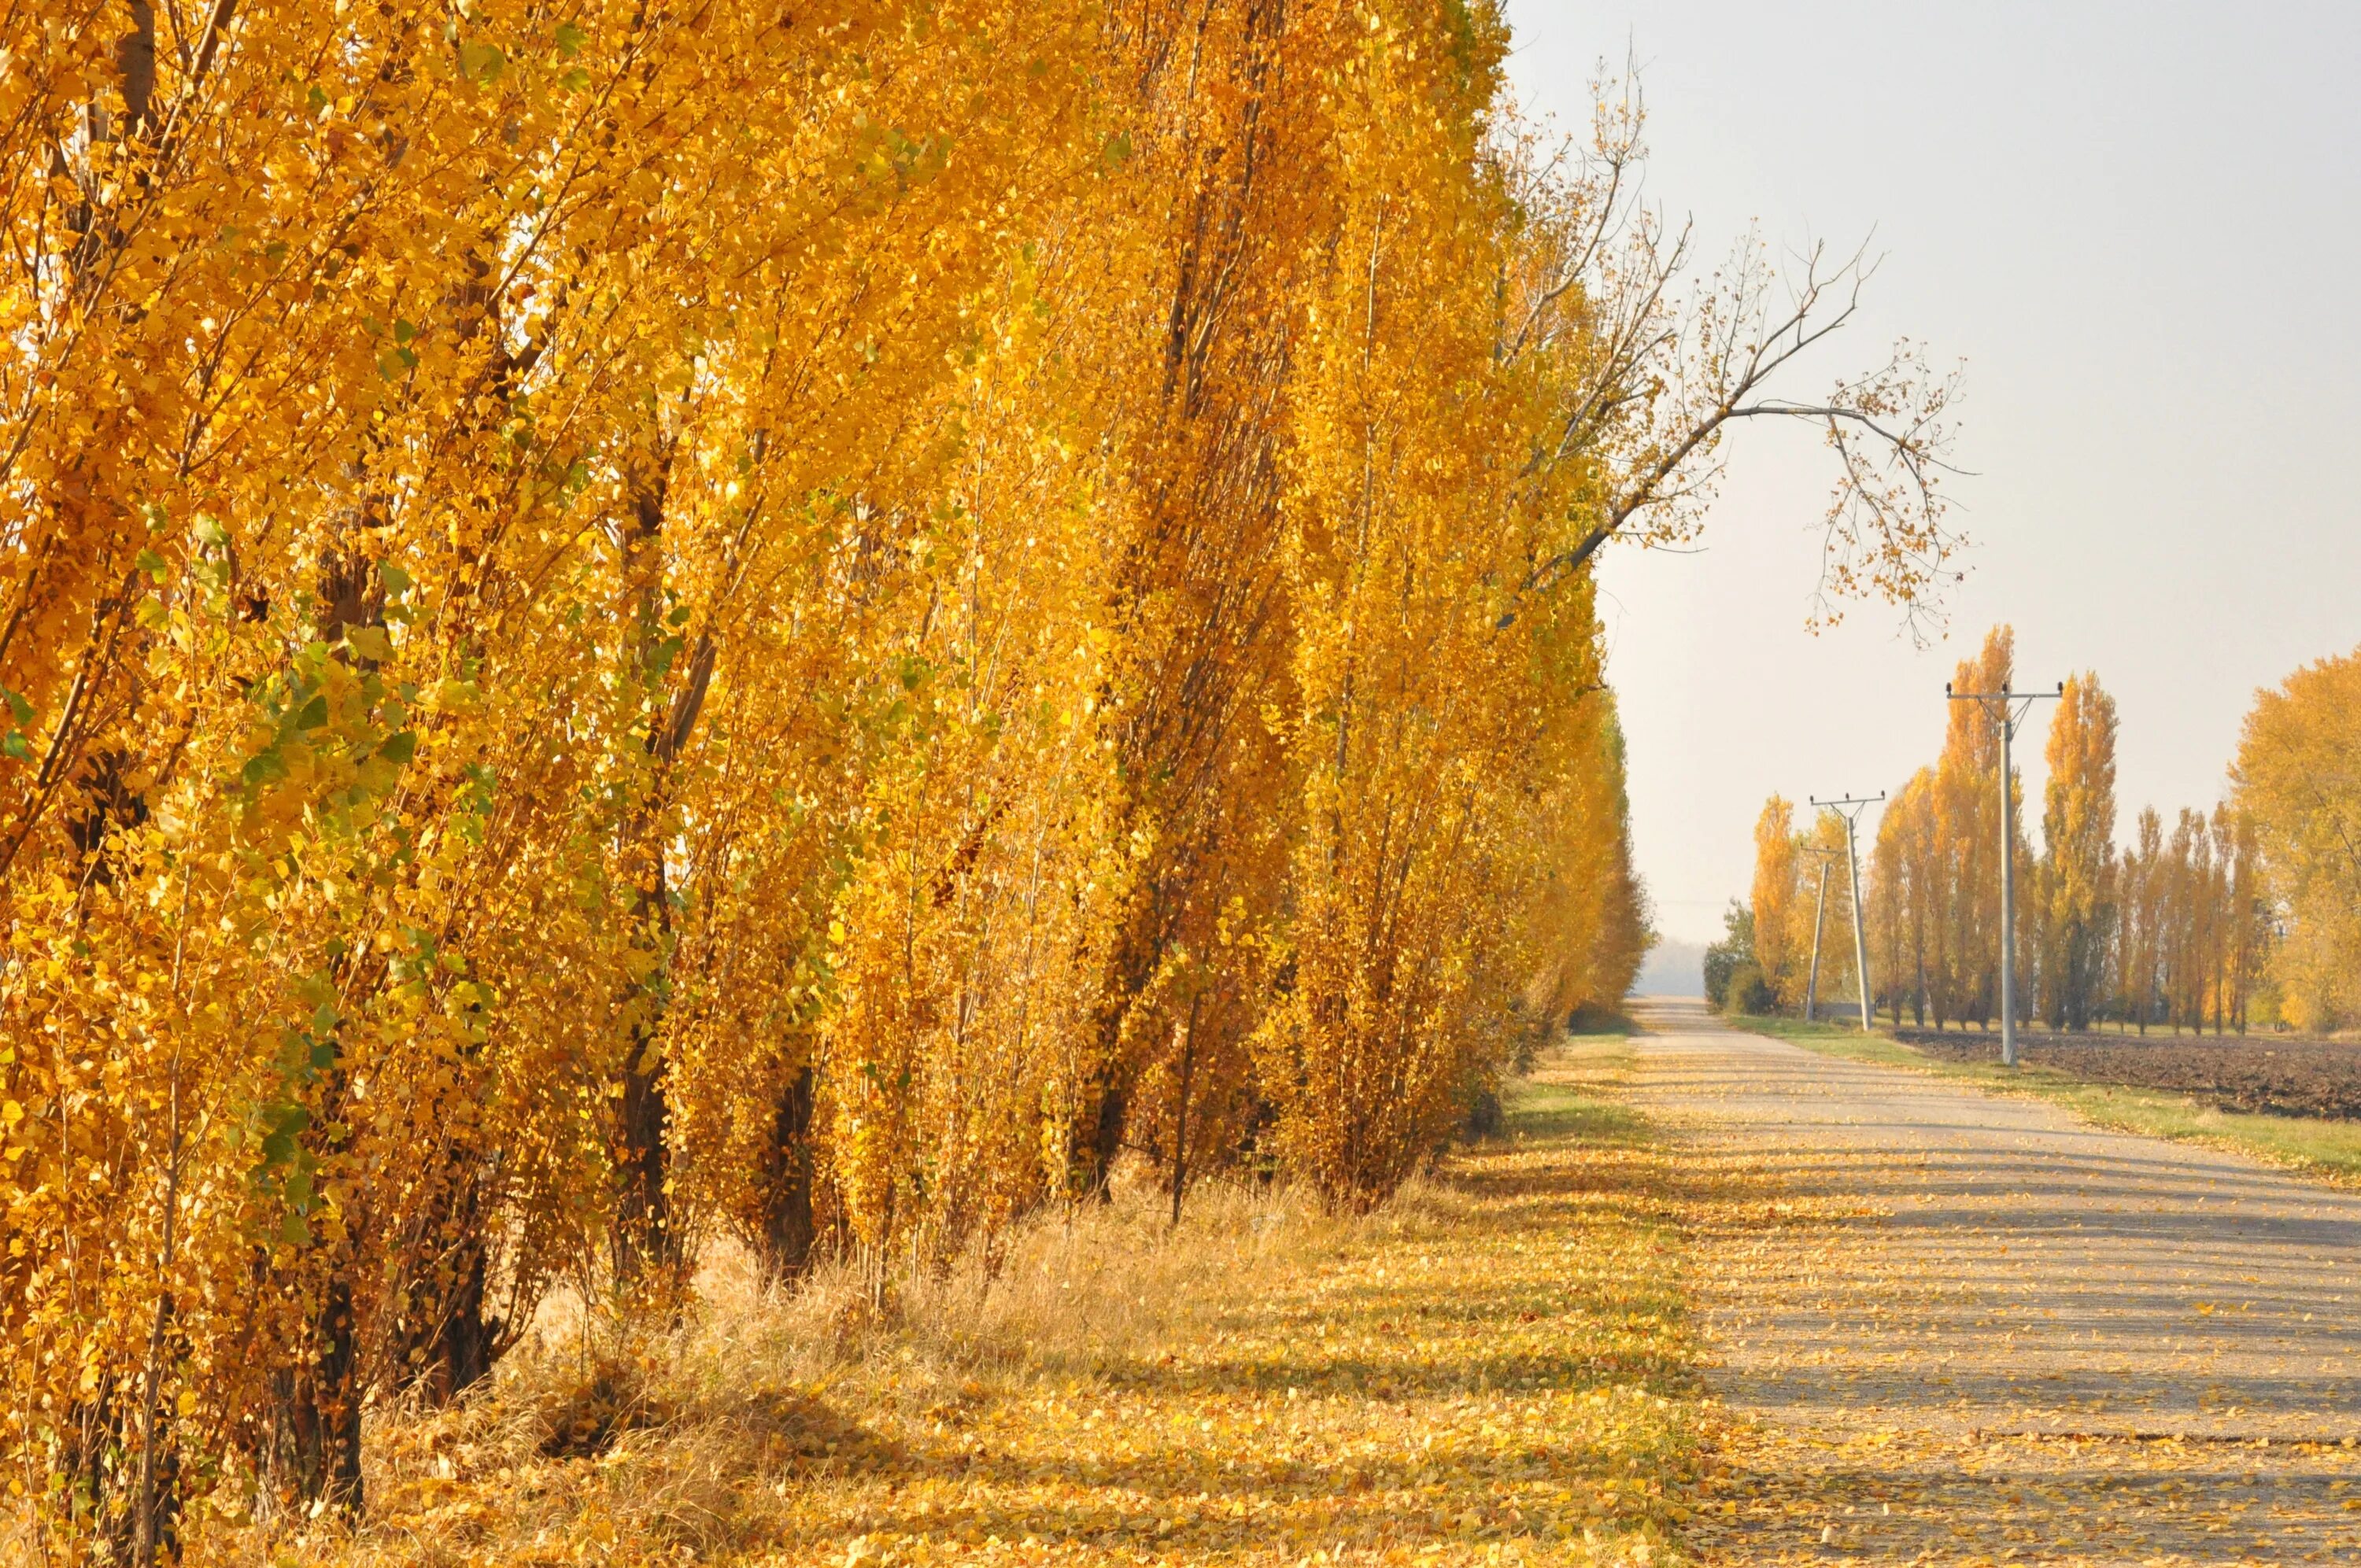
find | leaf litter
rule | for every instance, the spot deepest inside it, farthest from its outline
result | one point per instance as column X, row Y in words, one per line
column 1493, row 1368
column 1948, row 1328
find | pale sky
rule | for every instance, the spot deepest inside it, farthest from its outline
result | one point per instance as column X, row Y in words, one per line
column 2140, row 226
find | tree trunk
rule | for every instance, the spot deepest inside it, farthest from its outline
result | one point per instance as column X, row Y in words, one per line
column 1180, row 1112
column 643, row 1207
column 1105, row 1143
column 320, row 1411
column 788, row 1230
column 448, row 1341
column 642, row 1236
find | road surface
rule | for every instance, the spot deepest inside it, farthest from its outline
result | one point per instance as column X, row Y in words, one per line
column 1955, row 1327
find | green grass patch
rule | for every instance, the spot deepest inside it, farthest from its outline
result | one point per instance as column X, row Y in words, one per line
column 1549, row 1109
column 1839, row 1039
column 2330, row 1150
column 2312, row 1145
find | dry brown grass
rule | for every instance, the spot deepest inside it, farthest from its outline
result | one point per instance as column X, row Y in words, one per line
column 600, row 1440
column 1492, row 1368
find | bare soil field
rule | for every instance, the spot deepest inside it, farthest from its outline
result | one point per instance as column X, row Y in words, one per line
column 2268, row 1074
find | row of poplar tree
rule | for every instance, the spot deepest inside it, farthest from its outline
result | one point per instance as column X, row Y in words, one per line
column 626, row 623
column 2244, row 915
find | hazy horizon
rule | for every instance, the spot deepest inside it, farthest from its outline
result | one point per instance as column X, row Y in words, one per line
column 1674, row 967
column 2133, row 225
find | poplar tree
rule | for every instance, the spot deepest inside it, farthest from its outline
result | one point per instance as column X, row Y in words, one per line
column 2077, row 869
column 1967, row 812
column 824, row 626
column 1777, row 891
column 1906, row 898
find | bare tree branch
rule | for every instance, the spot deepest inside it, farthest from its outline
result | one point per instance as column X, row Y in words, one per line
column 1649, row 368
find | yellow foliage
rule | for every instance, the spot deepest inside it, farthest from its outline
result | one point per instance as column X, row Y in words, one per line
column 2077, row 833
column 2168, row 931
column 818, row 626
column 1779, row 901
column 2298, row 779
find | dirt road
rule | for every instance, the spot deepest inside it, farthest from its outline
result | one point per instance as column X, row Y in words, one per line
column 1952, row 1327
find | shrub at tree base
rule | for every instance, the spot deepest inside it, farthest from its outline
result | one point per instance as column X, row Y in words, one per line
column 1723, row 958
column 1748, row 993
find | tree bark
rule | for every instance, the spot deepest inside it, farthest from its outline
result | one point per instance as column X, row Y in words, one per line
column 788, row 1230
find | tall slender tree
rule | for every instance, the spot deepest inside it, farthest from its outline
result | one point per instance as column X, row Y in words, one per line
column 1906, row 898
column 2077, row 869
column 1967, row 812
column 1782, row 907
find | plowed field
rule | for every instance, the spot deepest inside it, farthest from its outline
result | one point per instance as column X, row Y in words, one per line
column 2270, row 1074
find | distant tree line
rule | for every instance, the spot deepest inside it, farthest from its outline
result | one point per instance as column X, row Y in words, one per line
column 2246, row 913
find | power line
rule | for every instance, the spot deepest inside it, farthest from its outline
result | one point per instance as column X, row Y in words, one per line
column 1819, row 907
column 1851, row 808
column 2007, row 708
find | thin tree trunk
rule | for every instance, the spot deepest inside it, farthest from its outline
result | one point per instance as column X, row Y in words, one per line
column 1180, row 1114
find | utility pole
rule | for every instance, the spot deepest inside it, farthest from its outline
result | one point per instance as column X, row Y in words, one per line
column 2006, row 708
column 1851, row 808
column 1819, row 904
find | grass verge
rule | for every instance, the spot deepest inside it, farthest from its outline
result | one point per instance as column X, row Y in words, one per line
column 2328, row 1150
column 1496, row 1367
